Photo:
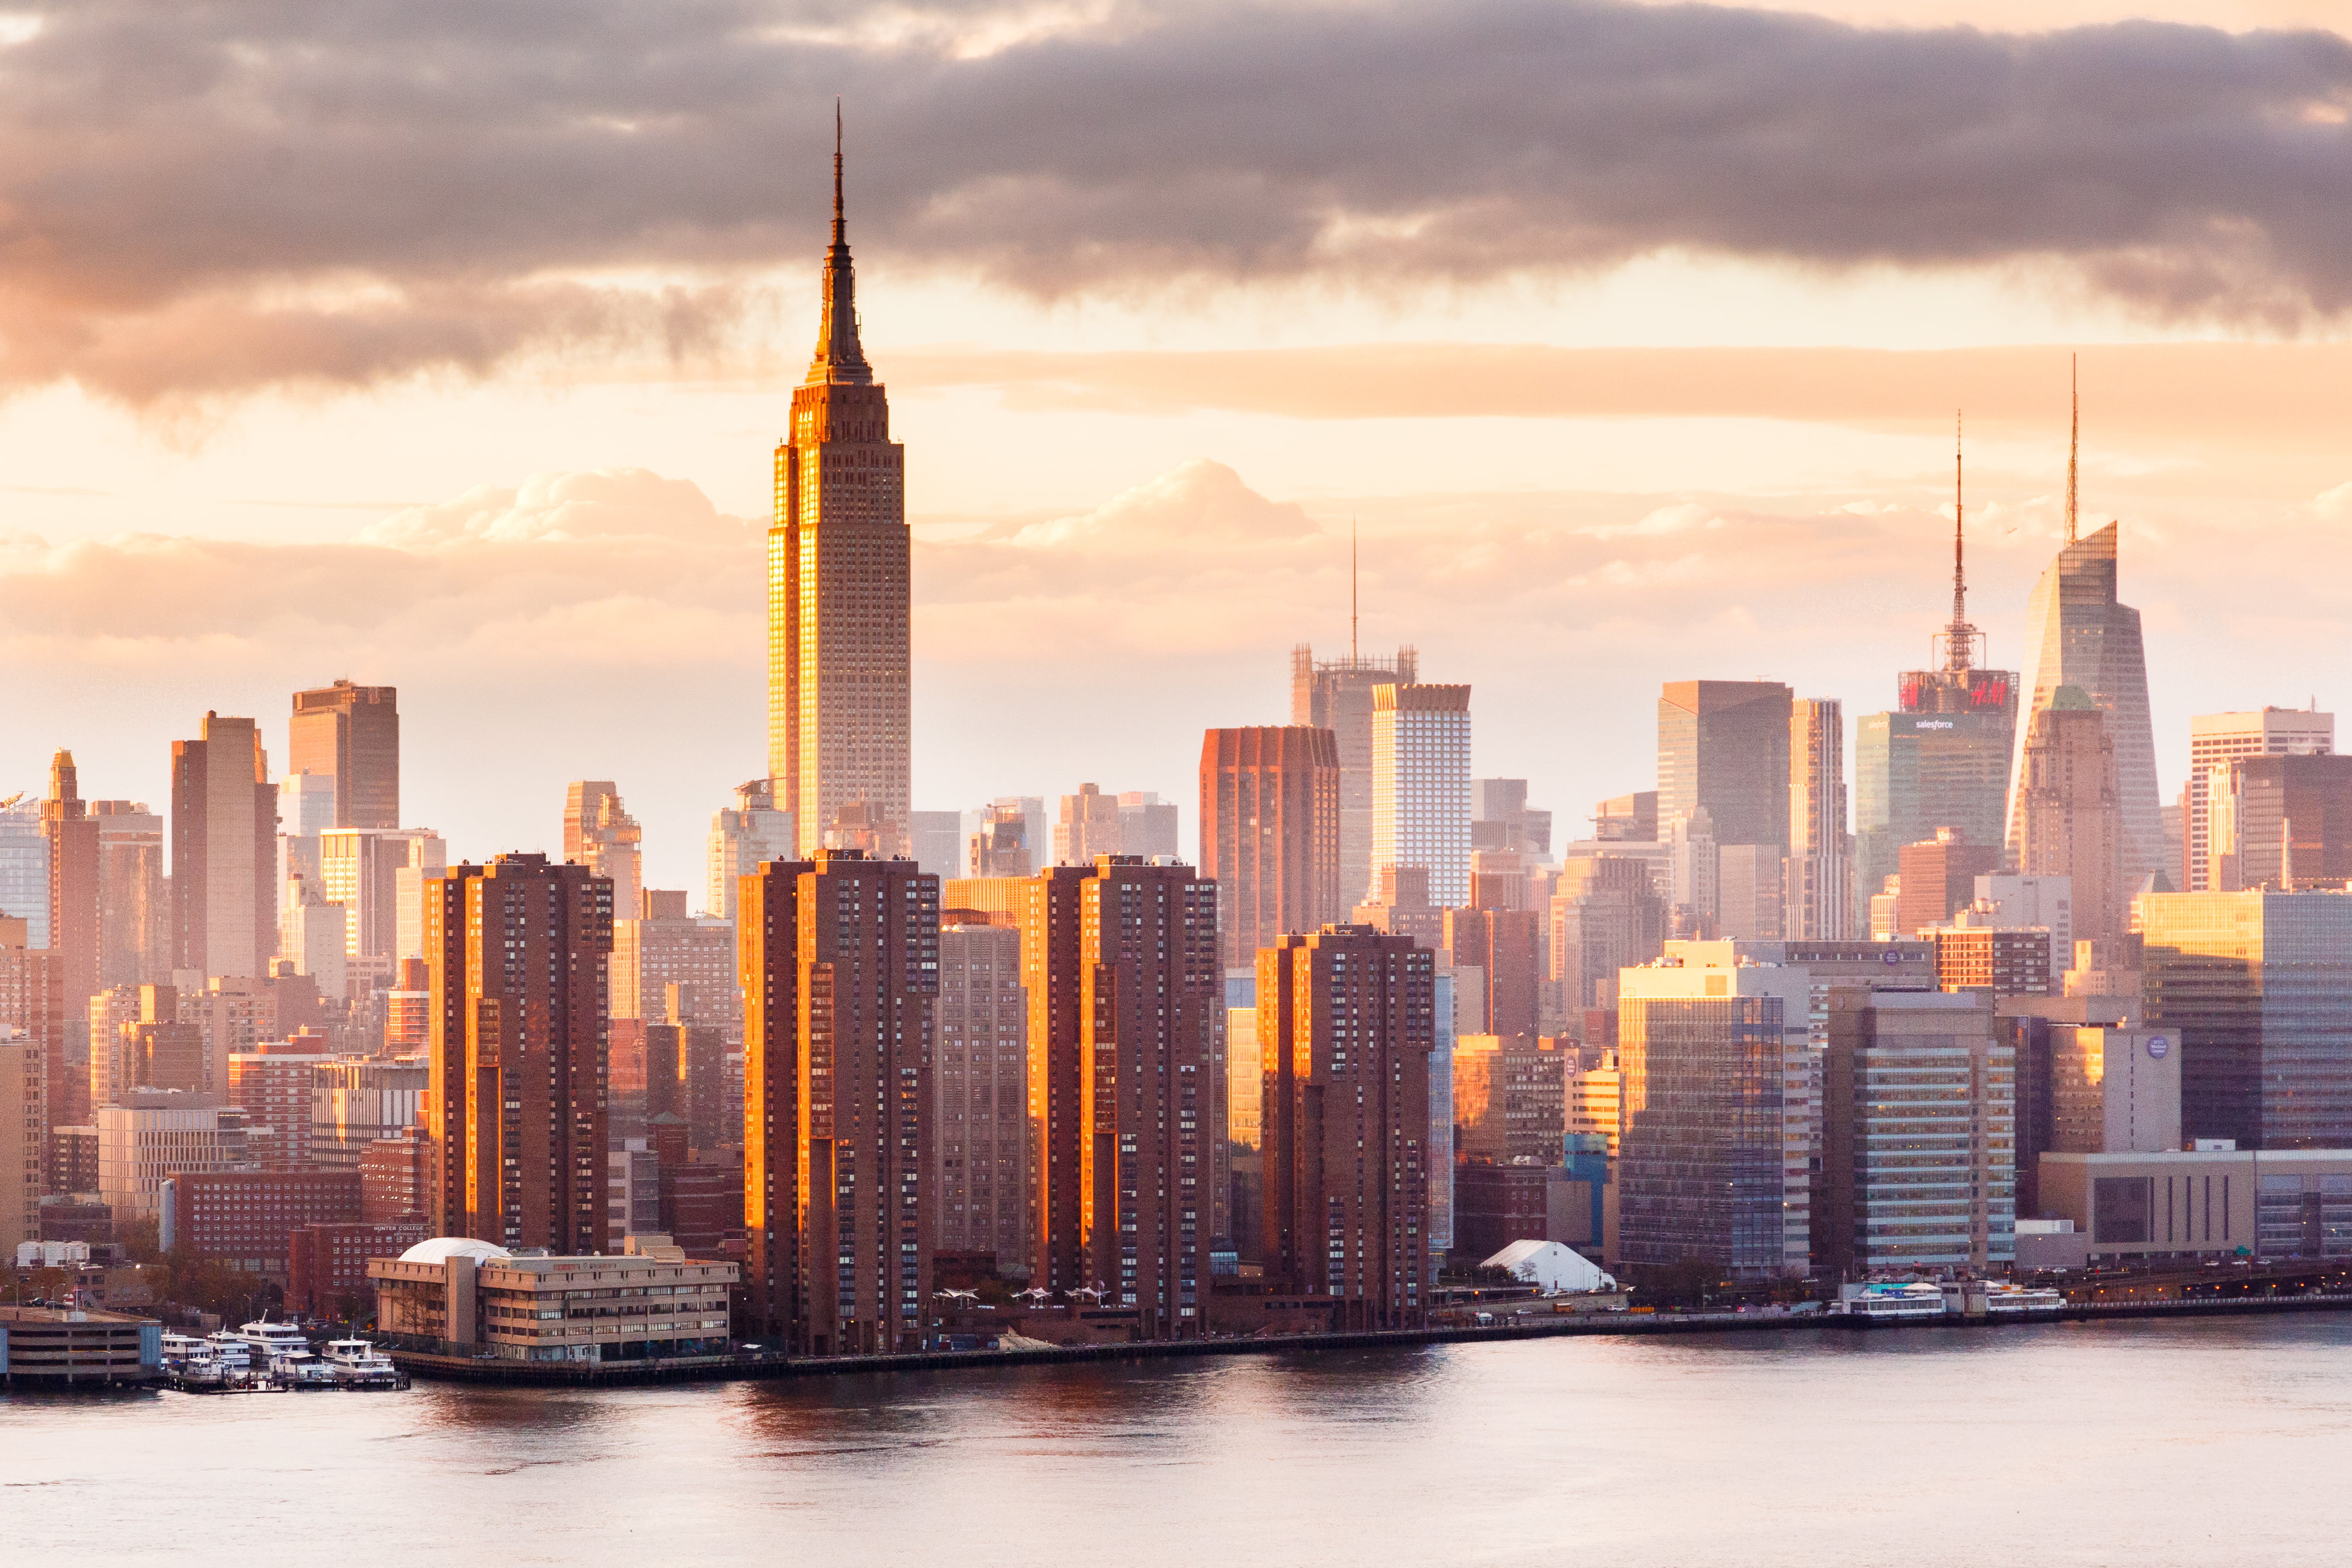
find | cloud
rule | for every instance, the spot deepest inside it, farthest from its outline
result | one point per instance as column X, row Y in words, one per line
column 201, row 198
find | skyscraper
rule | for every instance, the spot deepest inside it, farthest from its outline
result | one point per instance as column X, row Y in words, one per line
column 350, row 734
column 840, row 964
column 1724, row 745
column 2215, row 740
column 1605, row 916
column 134, row 916
column 837, row 586
column 74, row 928
column 1345, row 1015
column 1090, row 825
column 24, row 869
column 1421, row 785
column 2068, row 817
column 224, row 850
column 981, row 1118
column 743, row 836
column 517, row 1101
column 1817, row 881
column 1337, row 695
column 600, row 834
column 934, row 839
column 1270, row 832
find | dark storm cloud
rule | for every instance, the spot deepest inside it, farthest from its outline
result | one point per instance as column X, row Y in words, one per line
column 203, row 197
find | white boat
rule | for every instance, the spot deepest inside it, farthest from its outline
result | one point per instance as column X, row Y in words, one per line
column 179, row 1348
column 1917, row 1298
column 2022, row 1298
column 286, row 1351
column 356, row 1364
column 231, row 1356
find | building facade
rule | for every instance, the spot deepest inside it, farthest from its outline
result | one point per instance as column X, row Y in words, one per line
column 351, row 735
column 741, row 836
column 2217, row 739
column 600, row 834
column 1337, row 695
column 2070, row 821
column 1817, row 881
column 981, row 1123
column 224, row 850
column 1421, row 785
column 1270, row 832
column 1724, row 745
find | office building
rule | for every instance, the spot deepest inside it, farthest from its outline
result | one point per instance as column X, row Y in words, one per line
column 1421, row 785
column 1940, row 877
column 980, row 1116
column 133, row 914
column 2070, row 822
column 743, row 836
column 1500, row 818
column 935, row 838
column 837, row 588
column 1694, row 868
column 1595, row 1098
column 2257, row 986
column 600, row 834
column 1244, row 1117
column 357, row 1102
column 151, row 1135
column 314, row 937
column 1270, row 832
column 2151, row 1206
column 25, row 871
column 840, row 965
column 999, row 843
column 349, row 735
column 1750, row 898
column 516, row 1105
column 1337, row 695
column 2111, row 1091
column 1817, row 880
column 2008, row 899
column 2000, row 961
column 1606, row 916
column 2215, row 740
column 1918, row 1135
column 470, row 1299
column 1724, row 745
column 369, row 871
column 274, row 1086
column 2089, row 642
column 1345, row 1014
column 1400, row 904
column 224, row 850
column 1627, row 818
column 23, row 1140
column 1510, row 1099
column 1507, row 946
column 1148, row 824
column 72, row 832
column 2282, row 822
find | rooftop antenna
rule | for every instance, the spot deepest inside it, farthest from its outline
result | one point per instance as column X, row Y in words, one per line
column 2073, row 438
column 1351, row 588
column 840, row 227
column 1959, row 637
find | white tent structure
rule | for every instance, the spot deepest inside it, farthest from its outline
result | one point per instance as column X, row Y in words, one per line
column 1551, row 1265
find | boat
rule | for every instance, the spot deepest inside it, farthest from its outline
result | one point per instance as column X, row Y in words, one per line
column 232, row 1356
column 286, row 1351
column 1889, row 1301
column 356, row 1364
column 2022, row 1299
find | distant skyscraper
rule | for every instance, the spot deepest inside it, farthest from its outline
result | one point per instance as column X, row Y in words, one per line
column 1270, row 832
column 2068, row 818
column 1818, row 879
column 73, row 931
column 134, row 914
column 741, row 835
column 837, row 587
column 24, row 869
column 2280, row 822
column 1420, row 785
column 1605, row 916
column 2215, row 740
column 1337, row 695
column 1508, row 947
column 517, row 951
column 1500, row 818
column 1345, row 1017
column 1000, row 846
column 224, row 850
column 936, row 840
column 350, row 734
column 1090, row 825
column 840, row 964
column 1724, row 745
column 600, row 834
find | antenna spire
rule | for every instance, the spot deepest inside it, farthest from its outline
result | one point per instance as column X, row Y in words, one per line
column 840, row 218
column 1959, row 637
column 2073, row 438
column 840, row 359
column 1352, row 580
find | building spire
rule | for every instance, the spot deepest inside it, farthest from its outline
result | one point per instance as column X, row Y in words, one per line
column 2073, row 438
column 1959, row 637
column 840, row 359
column 1351, row 592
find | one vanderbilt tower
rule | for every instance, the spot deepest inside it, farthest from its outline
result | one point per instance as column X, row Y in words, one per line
column 838, row 594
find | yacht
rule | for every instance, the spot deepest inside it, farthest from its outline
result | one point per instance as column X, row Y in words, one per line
column 1881, row 1302
column 231, row 1355
column 356, row 1364
column 194, row 1360
column 2022, row 1299
column 286, row 1351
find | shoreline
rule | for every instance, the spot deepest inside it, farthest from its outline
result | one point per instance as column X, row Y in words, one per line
column 742, row 1369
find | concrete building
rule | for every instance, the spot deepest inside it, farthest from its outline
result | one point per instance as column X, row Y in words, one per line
column 2258, row 987
column 57, row 1347
column 516, row 1105
column 151, row 1135
column 2000, row 961
column 2011, row 900
column 837, row 588
column 981, row 1117
column 2282, row 822
column 1345, row 1016
column 600, row 834
column 1510, row 1101
column 1270, row 832
column 934, row 839
column 1337, row 695
column 23, row 1140
column 224, row 850
column 326, row 1264
column 456, row 1296
column 1605, row 916
column 2151, row 1206
column 349, row 735
column 134, row 913
column 1940, row 877
column 1421, row 785
column 743, row 836
column 1818, row 879
column 1918, row 1125
column 840, row 965
column 2215, row 740
column 1724, row 745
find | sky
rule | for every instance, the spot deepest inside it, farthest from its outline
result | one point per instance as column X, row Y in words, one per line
column 445, row 347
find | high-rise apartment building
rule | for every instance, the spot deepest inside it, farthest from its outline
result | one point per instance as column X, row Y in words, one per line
column 981, row 1117
column 1270, row 832
column 665, row 946
column 838, row 587
column 224, row 850
column 1918, row 1135
column 1346, row 1014
column 600, row 834
column 1337, row 695
column 134, row 913
column 2215, row 740
column 1818, row 879
column 1420, row 785
column 517, row 951
column 2282, row 822
column 840, row 963
column 743, row 836
column 349, row 735
column 2088, row 641
column 2070, row 821
column 1724, row 745
column 2257, row 986
column 25, row 871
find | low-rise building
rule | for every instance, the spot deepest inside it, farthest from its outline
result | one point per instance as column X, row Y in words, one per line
column 455, row 1296
column 247, row 1218
column 49, row 1347
column 327, row 1265
column 2208, row 1202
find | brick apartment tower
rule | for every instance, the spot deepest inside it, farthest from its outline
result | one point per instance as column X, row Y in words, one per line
column 516, row 1104
column 72, row 832
column 840, row 962
column 351, row 733
column 1345, row 1024
column 1270, row 832
column 838, row 587
column 224, row 850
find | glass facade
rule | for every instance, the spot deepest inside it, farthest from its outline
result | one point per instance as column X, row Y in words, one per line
column 1700, row 1160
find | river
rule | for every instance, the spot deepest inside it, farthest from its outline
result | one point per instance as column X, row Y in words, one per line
column 2128, row 1442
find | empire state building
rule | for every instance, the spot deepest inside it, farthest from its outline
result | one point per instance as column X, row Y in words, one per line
column 837, row 592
